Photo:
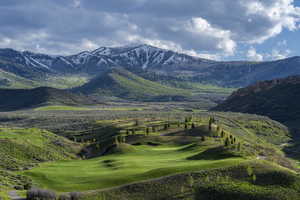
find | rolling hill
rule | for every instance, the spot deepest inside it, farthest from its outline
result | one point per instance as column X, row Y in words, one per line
column 26, row 148
column 278, row 99
column 14, row 99
column 121, row 83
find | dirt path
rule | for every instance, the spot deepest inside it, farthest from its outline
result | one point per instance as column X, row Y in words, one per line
column 14, row 195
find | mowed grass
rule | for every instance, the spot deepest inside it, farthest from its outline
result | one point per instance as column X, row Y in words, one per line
column 144, row 163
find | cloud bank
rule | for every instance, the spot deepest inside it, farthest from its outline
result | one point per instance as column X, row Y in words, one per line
column 203, row 28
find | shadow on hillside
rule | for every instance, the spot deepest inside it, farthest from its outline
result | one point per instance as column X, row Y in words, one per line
column 292, row 149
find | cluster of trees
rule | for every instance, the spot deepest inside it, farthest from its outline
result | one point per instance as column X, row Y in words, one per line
column 41, row 194
column 228, row 138
column 165, row 126
column 120, row 139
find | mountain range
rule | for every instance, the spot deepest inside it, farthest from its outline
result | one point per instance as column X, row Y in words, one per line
column 147, row 69
column 34, row 66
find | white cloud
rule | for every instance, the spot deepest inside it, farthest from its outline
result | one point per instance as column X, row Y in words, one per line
column 171, row 45
column 252, row 55
column 89, row 45
column 275, row 15
column 203, row 28
column 278, row 55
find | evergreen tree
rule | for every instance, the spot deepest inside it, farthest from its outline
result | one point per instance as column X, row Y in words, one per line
column 193, row 125
column 186, row 120
column 227, row 142
column 210, row 122
column 190, row 181
column 202, row 138
column 165, row 126
column 222, row 134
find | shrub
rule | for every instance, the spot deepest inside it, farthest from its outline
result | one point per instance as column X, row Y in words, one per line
column 75, row 195
column 64, row 197
column 40, row 194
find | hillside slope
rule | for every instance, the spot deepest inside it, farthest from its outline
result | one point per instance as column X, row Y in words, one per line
column 121, row 83
column 13, row 99
column 278, row 99
column 23, row 149
column 227, row 183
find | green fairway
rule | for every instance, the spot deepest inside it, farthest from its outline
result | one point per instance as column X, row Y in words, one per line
column 145, row 162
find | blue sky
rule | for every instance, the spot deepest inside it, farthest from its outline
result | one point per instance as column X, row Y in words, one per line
column 217, row 29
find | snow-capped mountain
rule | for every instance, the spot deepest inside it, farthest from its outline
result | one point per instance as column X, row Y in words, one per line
column 141, row 56
column 93, row 62
column 144, row 58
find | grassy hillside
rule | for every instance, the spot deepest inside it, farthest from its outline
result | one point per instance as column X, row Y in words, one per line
column 229, row 182
column 10, row 80
column 124, row 84
column 13, row 99
column 21, row 148
column 26, row 148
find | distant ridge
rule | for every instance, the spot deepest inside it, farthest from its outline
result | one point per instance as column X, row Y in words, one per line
column 14, row 99
column 279, row 99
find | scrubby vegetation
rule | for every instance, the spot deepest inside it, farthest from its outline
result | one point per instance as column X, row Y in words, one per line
column 22, row 148
column 234, row 182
